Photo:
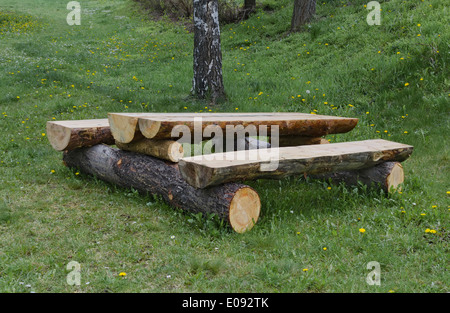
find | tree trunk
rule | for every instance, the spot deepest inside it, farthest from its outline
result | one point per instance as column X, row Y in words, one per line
column 303, row 12
column 249, row 7
column 249, row 4
column 208, row 81
column 236, row 203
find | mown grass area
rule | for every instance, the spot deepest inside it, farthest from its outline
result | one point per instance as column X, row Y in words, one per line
column 308, row 237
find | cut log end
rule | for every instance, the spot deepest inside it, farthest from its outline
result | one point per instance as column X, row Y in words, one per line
column 176, row 151
column 244, row 210
column 124, row 128
column 395, row 178
column 149, row 128
column 59, row 137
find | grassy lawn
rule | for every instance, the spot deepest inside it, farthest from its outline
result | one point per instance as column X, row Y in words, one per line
column 393, row 77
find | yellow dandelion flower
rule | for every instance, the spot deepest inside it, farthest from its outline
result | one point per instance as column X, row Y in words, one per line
column 122, row 274
column 362, row 230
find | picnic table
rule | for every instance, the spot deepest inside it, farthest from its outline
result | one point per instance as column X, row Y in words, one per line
column 152, row 157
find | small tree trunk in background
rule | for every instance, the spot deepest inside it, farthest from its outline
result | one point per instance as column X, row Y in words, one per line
column 303, row 12
column 208, row 79
column 249, row 7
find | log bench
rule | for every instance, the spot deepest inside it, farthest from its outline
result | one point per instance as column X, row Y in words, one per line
column 150, row 156
column 276, row 163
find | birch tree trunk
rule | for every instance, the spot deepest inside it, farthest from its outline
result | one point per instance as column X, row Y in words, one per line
column 303, row 12
column 208, row 81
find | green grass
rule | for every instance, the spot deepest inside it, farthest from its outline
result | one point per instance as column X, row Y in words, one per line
column 119, row 60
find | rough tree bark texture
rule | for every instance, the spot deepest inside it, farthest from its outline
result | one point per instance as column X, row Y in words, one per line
column 208, row 79
column 303, row 12
column 249, row 7
column 249, row 4
column 236, row 203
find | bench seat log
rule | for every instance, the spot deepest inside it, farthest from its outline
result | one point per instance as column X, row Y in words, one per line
column 276, row 163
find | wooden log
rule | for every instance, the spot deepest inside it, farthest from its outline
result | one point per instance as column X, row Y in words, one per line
column 276, row 163
column 163, row 149
column 68, row 135
column 388, row 176
column 126, row 126
column 236, row 203
column 290, row 141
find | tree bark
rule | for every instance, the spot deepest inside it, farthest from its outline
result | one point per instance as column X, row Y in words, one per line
column 208, row 80
column 236, row 203
column 304, row 10
column 249, row 7
column 249, row 4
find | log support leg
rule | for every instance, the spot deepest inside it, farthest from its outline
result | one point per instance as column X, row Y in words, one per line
column 236, row 203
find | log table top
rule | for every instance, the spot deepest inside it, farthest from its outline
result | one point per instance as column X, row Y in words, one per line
column 125, row 126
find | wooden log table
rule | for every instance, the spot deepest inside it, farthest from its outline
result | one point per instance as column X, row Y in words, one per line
column 151, row 159
column 129, row 127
